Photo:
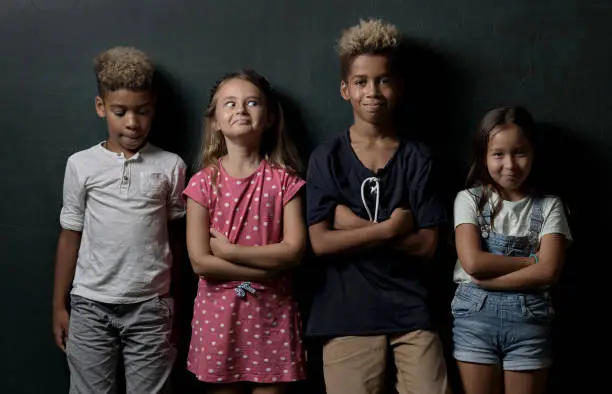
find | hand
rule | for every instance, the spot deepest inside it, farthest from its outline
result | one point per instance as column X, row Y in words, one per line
column 345, row 219
column 401, row 222
column 60, row 327
column 220, row 246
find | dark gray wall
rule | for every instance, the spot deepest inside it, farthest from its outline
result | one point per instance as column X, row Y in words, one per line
column 552, row 56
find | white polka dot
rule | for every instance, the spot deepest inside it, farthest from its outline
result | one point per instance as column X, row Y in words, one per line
column 274, row 379
column 273, row 186
column 208, row 357
column 236, row 376
column 213, row 343
column 226, row 205
column 268, row 178
column 255, row 363
column 211, row 371
column 282, row 358
column 237, row 350
column 221, row 325
column 255, row 228
column 286, row 344
column 219, row 379
column 238, row 182
column 212, row 329
column 250, row 316
column 285, row 371
column 269, row 342
column 268, row 369
column 246, row 330
column 193, row 184
column 266, row 360
column 219, row 363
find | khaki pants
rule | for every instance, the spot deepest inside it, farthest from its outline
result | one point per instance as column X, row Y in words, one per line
column 356, row 365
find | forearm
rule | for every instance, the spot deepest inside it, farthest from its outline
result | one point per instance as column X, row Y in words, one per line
column 214, row 267
column 421, row 244
column 339, row 241
column 277, row 256
column 483, row 265
column 533, row 276
column 65, row 265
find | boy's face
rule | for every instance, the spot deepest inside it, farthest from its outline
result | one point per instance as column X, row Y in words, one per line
column 129, row 115
column 372, row 89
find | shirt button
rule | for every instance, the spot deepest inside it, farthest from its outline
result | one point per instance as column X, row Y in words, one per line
column 125, row 178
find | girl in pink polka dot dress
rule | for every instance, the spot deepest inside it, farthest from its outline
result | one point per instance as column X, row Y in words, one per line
column 245, row 230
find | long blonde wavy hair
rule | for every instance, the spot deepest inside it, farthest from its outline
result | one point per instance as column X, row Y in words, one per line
column 276, row 147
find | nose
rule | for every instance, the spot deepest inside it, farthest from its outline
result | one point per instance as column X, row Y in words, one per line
column 510, row 162
column 372, row 89
column 132, row 121
column 240, row 108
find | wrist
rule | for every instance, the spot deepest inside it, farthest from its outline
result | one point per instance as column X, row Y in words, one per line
column 533, row 259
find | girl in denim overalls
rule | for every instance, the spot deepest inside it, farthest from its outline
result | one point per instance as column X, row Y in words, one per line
column 511, row 246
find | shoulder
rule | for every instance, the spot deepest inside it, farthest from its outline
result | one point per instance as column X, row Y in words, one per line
column 85, row 154
column 415, row 152
column 328, row 149
column 551, row 203
column 162, row 156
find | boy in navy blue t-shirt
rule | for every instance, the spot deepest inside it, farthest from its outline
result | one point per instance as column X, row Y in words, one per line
column 372, row 218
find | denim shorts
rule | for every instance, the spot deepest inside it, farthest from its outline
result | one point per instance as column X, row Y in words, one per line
column 506, row 328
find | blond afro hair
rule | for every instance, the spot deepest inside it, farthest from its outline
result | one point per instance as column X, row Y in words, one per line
column 371, row 37
column 123, row 68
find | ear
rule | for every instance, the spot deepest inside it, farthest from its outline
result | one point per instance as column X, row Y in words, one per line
column 100, row 110
column 344, row 91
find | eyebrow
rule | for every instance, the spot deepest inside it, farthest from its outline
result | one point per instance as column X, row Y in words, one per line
column 121, row 106
column 235, row 98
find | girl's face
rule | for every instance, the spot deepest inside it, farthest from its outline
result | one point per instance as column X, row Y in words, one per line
column 509, row 159
column 241, row 112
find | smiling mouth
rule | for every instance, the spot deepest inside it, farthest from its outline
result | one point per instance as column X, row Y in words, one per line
column 373, row 105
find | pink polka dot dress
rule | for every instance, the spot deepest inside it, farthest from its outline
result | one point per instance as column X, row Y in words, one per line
column 246, row 332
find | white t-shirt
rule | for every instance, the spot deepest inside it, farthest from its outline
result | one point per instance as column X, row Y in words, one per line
column 122, row 207
column 513, row 219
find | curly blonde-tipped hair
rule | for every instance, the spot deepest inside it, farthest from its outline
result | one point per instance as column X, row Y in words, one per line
column 371, row 37
column 123, row 68
column 276, row 146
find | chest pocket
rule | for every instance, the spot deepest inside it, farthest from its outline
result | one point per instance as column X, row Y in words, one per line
column 153, row 185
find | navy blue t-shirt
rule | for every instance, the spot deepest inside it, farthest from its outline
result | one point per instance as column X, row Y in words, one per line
column 378, row 290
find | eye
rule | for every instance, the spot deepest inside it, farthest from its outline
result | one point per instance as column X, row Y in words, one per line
column 384, row 81
column 229, row 104
column 497, row 154
column 144, row 112
column 252, row 103
column 359, row 82
column 119, row 113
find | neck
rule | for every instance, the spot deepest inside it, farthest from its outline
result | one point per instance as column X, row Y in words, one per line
column 512, row 195
column 371, row 131
column 116, row 148
column 241, row 160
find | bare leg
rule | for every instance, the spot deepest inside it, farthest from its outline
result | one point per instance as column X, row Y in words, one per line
column 271, row 389
column 480, row 378
column 525, row 382
column 232, row 388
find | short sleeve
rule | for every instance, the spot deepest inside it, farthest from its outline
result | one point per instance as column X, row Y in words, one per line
column 176, row 203
column 292, row 184
column 72, row 216
column 198, row 188
column 465, row 209
column 555, row 219
column 427, row 208
column 320, row 196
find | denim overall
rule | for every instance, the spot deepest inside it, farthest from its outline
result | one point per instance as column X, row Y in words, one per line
column 508, row 328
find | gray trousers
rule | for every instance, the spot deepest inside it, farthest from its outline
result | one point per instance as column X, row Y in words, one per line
column 98, row 334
